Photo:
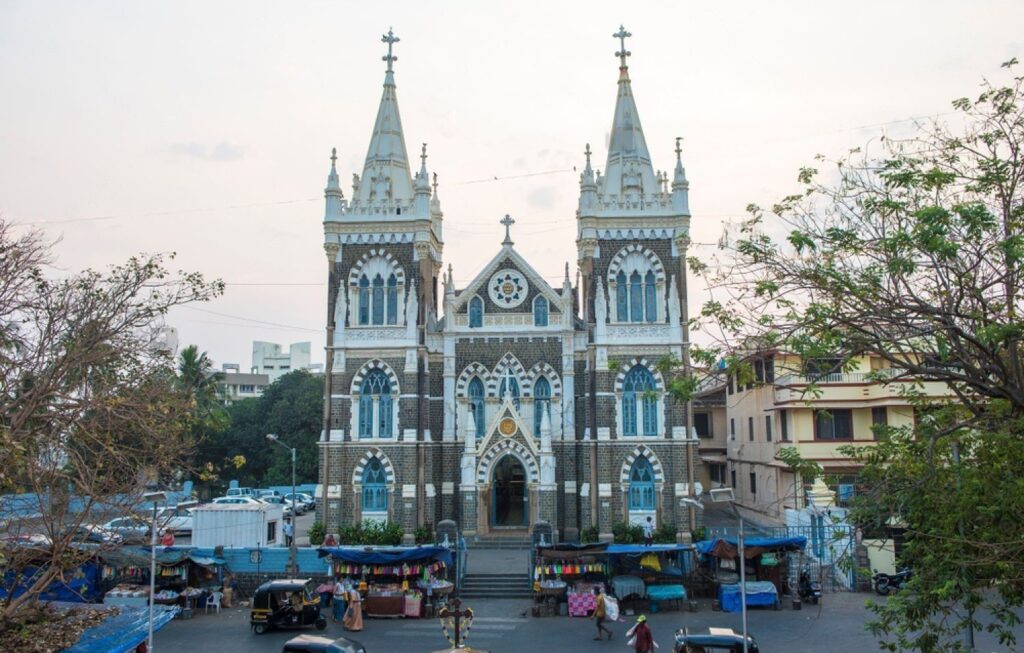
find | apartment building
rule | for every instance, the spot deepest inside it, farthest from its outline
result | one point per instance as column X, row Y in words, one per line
column 235, row 384
column 755, row 417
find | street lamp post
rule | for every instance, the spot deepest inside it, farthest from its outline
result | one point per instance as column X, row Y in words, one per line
column 726, row 495
column 155, row 498
column 292, row 553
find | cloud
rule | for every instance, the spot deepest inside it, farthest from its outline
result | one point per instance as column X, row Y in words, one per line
column 222, row 151
column 543, row 197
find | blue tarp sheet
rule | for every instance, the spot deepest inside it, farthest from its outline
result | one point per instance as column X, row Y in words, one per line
column 82, row 584
column 787, row 543
column 639, row 549
column 361, row 556
column 758, row 593
column 123, row 632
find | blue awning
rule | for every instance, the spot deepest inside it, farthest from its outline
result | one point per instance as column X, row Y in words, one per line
column 772, row 543
column 640, row 549
column 122, row 632
column 375, row 556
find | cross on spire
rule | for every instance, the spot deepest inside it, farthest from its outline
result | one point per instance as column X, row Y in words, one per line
column 622, row 35
column 390, row 39
column 334, row 155
column 586, row 152
column 507, row 221
column 679, row 148
column 423, row 155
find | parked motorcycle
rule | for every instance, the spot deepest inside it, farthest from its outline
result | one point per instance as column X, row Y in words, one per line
column 885, row 583
column 807, row 588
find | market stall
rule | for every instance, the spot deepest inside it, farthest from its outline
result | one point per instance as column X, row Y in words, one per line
column 183, row 577
column 655, row 573
column 572, row 571
column 394, row 581
column 766, row 561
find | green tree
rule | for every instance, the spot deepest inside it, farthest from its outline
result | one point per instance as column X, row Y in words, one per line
column 911, row 253
column 199, row 381
column 292, row 408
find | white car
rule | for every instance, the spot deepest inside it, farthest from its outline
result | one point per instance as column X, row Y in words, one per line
column 241, row 492
column 279, row 501
column 132, row 529
column 303, row 500
column 177, row 519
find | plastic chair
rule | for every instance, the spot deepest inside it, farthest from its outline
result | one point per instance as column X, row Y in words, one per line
column 213, row 601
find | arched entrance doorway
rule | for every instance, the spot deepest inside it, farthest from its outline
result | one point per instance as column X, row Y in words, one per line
column 509, row 499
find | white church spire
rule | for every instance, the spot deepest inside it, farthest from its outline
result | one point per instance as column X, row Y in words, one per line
column 628, row 175
column 334, row 199
column 386, row 183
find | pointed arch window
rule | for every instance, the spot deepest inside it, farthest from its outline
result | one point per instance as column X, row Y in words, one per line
column 639, row 403
column 514, row 389
column 392, row 300
column 641, row 485
column 375, row 408
column 364, row 300
column 476, row 402
column 636, row 298
column 621, row 304
column 650, row 297
column 375, row 488
column 540, row 311
column 378, row 300
column 476, row 313
column 541, row 403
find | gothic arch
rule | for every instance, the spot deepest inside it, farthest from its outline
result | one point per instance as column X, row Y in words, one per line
column 621, row 377
column 642, row 451
column 499, row 451
column 507, row 362
column 376, row 260
column 357, row 379
column 634, row 251
column 473, row 369
column 371, row 453
column 548, row 372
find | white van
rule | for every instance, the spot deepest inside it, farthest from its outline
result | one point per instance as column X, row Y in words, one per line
column 240, row 492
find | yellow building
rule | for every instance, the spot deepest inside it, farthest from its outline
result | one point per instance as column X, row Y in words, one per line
column 753, row 421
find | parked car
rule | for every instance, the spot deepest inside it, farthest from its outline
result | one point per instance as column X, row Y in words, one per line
column 303, row 499
column 236, row 501
column 133, row 530
column 92, row 534
column 712, row 640
column 316, row 644
column 280, row 502
column 259, row 494
column 177, row 519
column 241, row 492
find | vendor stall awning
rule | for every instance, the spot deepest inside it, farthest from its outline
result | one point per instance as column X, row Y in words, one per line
column 373, row 556
column 726, row 547
column 637, row 549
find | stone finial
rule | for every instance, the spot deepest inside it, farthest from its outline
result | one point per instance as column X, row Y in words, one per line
column 390, row 39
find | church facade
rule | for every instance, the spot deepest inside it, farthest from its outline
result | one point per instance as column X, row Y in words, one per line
column 509, row 401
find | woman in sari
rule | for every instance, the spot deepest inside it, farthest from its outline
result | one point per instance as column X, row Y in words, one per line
column 354, row 614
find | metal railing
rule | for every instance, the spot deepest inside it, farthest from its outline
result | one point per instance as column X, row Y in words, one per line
column 874, row 376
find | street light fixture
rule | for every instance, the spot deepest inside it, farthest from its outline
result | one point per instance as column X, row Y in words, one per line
column 155, row 498
column 726, row 495
column 292, row 553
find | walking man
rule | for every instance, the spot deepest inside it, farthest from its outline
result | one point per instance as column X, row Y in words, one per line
column 600, row 612
column 289, row 532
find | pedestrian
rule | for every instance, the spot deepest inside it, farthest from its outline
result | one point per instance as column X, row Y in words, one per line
column 330, row 541
column 642, row 639
column 354, row 614
column 600, row 612
column 289, row 532
column 339, row 605
column 167, row 539
column 649, row 531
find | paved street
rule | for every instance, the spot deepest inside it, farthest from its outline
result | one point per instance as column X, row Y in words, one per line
column 837, row 628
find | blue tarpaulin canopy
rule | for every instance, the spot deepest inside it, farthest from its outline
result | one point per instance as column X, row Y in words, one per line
column 639, row 549
column 79, row 584
column 375, row 556
column 715, row 546
column 121, row 632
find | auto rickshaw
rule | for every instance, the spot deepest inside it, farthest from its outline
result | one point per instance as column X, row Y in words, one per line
column 712, row 640
column 289, row 603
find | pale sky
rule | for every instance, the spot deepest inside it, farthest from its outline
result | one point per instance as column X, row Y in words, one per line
column 205, row 127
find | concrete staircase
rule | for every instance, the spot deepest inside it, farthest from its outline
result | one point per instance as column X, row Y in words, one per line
column 496, row 586
column 513, row 540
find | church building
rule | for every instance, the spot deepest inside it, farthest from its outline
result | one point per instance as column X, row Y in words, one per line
column 509, row 401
